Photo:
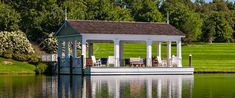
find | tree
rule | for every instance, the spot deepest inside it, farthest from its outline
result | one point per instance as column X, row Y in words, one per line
column 9, row 18
column 216, row 28
column 146, row 10
column 185, row 19
column 192, row 27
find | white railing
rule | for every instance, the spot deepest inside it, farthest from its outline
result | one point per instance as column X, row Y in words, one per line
column 49, row 58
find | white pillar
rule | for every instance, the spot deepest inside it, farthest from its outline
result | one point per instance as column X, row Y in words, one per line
column 74, row 52
column 159, row 88
column 66, row 53
column 159, row 49
column 90, row 50
column 149, row 53
column 179, row 54
column 84, row 88
column 121, row 53
column 116, row 53
column 84, row 52
column 168, row 53
column 149, row 88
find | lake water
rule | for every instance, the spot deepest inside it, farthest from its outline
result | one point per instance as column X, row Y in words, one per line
column 143, row 86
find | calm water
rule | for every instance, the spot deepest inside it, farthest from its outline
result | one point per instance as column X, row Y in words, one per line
column 151, row 86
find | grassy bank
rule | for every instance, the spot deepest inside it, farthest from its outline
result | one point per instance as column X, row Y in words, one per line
column 216, row 57
column 11, row 66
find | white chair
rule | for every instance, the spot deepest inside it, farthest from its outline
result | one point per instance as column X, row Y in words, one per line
column 95, row 62
column 174, row 61
column 111, row 60
column 161, row 63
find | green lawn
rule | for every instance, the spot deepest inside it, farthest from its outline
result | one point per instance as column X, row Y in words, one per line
column 216, row 57
column 15, row 67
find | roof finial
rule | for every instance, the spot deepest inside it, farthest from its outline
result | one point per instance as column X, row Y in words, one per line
column 167, row 15
column 65, row 12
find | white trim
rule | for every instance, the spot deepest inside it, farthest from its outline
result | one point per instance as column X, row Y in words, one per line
column 132, row 37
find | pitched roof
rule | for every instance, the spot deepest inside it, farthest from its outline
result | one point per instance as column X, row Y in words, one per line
column 112, row 27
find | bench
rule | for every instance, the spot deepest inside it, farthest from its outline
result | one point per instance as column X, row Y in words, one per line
column 137, row 62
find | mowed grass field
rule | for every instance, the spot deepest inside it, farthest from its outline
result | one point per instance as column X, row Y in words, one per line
column 15, row 67
column 216, row 57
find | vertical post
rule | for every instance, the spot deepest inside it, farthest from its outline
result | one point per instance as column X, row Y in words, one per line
column 90, row 49
column 59, row 55
column 71, row 64
column 121, row 53
column 179, row 54
column 149, row 53
column 74, row 52
column 190, row 60
column 168, row 53
column 84, row 52
column 116, row 53
column 159, row 49
column 66, row 53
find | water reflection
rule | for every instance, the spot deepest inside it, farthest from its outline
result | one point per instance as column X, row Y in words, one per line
column 149, row 86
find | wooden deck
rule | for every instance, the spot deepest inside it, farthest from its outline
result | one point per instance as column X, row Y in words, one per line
column 138, row 71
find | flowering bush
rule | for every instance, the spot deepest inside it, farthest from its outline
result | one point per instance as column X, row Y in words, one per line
column 49, row 45
column 15, row 41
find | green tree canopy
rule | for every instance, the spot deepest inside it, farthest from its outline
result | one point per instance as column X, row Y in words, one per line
column 9, row 18
column 217, row 28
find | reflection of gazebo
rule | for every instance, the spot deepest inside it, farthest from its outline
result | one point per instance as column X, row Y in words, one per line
column 118, row 33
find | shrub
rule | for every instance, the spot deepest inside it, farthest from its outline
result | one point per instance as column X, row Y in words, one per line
column 41, row 68
column 49, row 44
column 20, row 57
column 15, row 41
column 7, row 54
column 33, row 59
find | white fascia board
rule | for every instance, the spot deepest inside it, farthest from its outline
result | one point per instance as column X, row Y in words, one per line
column 131, row 37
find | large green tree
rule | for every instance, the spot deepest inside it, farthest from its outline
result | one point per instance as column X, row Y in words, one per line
column 217, row 28
column 9, row 18
column 146, row 10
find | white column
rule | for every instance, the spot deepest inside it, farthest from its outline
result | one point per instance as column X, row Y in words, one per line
column 84, row 88
column 84, row 52
column 168, row 53
column 90, row 49
column 66, row 53
column 116, row 53
column 149, row 88
column 121, row 52
column 149, row 53
column 159, row 88
column 179, row 54
column 74, row 52
column 159, row 49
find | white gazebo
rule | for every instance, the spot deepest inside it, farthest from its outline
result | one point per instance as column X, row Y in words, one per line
column 91, row 31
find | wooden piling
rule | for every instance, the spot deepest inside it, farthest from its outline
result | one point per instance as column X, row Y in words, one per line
column 71, row 65
column 58, row 64
column 190, row 60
